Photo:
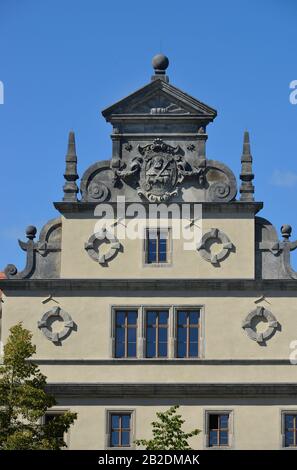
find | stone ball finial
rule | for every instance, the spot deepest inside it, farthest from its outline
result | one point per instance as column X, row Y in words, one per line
column 286, row 231
column 160, row 62
column 31, row 232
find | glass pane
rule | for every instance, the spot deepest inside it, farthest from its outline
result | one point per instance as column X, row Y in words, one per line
column 152, row 251
column 162, row 250
column 132, row 335
column 120, row 318
column 289, row 438
column 163, row 335
column 151, row 317
column 132, row 318
column 224, row 438
column 162, row 349
column 193, row 349
column 115, row 421
column 181, row 350
column 152, row 234
column 181, row 334
column 125, row 438
column 194, row 334
column 114, row 439
column 213, row 421
column 181, row 318
column 120, row 334
column 213, row 438
column 126, row 421
column 151, row 334
column 289, row 421
column 163, row 318
column 194, row 318
column 120, row 350
column 131, row 349
column 150, row 349
column 224, row 419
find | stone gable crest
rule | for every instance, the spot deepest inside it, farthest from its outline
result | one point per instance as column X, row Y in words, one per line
column 160, row 168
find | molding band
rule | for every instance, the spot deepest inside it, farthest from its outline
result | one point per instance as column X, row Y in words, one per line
column 169, row 390
column 155, row 285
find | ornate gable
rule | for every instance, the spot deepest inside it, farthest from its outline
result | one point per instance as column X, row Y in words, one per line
column 159, row 97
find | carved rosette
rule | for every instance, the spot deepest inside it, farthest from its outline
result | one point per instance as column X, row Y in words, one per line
column 266, row 316
column 56, row 313
column 94, row 246
column 204, row 247
column 98, row 190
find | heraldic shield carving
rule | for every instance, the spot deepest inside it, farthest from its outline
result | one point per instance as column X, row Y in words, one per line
column 160, row 167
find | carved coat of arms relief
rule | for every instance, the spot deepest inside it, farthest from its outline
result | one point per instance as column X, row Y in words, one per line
column 159, row 168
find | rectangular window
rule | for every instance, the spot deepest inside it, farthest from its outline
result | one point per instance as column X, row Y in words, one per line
column 49, row 416
column 125, row 333
column 188, row 333
column 290, row 430
column 157, row 333
column 120, row 429
column 218, row 430
column 156, row 246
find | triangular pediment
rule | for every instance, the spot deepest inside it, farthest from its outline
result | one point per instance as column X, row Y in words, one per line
column 160, row 98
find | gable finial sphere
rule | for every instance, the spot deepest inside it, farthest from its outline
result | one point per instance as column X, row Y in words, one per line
column 160, row 62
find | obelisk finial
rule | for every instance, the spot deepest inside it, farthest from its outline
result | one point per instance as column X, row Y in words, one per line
column 70, row 187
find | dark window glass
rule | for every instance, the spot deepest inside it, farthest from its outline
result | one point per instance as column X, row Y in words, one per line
column 125, row 333
column 188, row 333
column 218, row 429
column 290, row 430
column 156, row 333
column 120, row 430
column 156, row 246
column 49, row 417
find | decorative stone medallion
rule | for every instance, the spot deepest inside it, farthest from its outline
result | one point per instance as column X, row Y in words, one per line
column 56, row 313
column 95, row 243
column 209, row 238
column 266, row 316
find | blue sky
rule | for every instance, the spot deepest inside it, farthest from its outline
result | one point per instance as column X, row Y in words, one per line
column 62, row 62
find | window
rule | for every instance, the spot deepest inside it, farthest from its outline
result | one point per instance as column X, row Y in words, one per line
column 49, row 416
column 120, row 429
column 156, row 250
column 218, row 429
column 157, row 333
column 188, row 333
column 125, row 333
column 290, row 430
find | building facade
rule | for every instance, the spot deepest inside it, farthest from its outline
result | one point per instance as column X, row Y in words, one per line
column 160, row 284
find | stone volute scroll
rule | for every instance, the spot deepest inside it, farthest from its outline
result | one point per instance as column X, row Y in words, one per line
column 215, row 246
column 43, row 256
column 56, row 314
column 103, row 246
column 260, row 314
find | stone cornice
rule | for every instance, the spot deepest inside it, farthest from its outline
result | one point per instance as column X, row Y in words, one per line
column 236, row 207
column 166, row 362
column 169, row 390
column 155, row 285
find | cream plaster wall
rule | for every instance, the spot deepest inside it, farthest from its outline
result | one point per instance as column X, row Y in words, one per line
column 255, row 425
column 76, row 263
column 224, row 337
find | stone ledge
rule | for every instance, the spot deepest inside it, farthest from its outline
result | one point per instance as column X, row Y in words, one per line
column 237, row 207
column 100, row 286
column 169, row 390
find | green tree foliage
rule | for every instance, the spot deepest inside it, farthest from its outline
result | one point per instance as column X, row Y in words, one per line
column 168, row 433
column 24, row 401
